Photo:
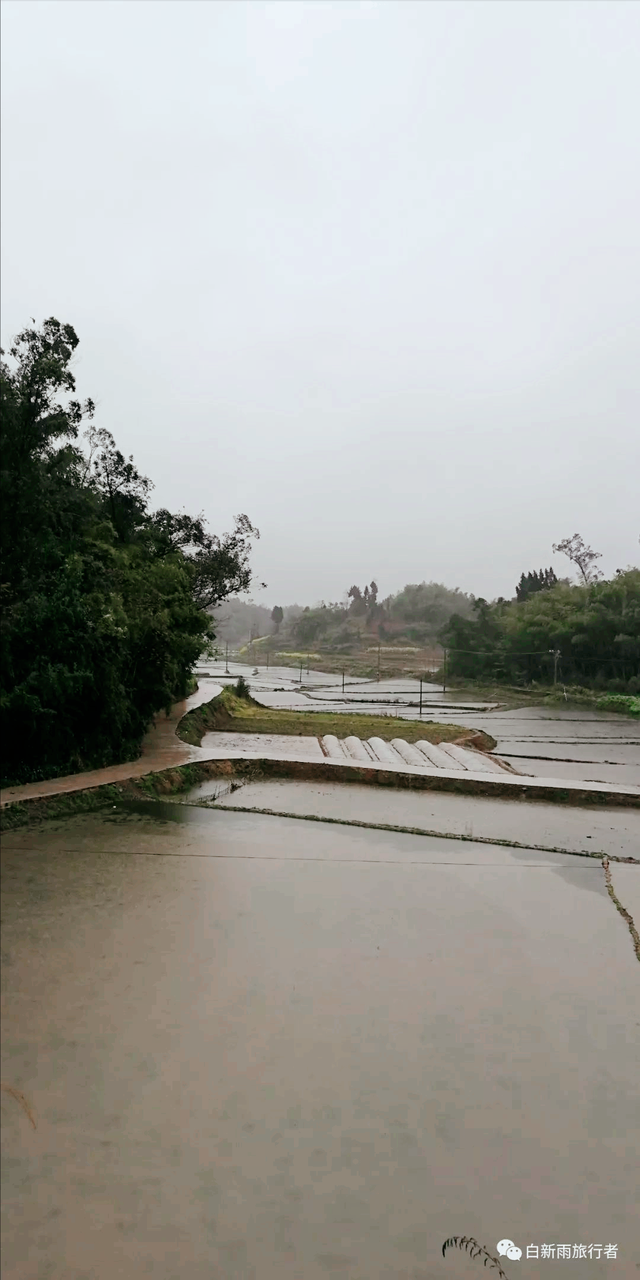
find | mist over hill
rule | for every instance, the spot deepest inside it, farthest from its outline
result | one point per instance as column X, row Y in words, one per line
column 416, row 615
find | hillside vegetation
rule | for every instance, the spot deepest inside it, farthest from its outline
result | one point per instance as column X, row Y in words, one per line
column 553, row 637
column 400, row 632
column 585, row 635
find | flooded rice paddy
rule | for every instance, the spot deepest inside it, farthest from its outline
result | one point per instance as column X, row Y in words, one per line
column 257, row 1047
column 546, row 741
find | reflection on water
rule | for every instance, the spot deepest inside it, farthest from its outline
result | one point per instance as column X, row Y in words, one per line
column 162, row 811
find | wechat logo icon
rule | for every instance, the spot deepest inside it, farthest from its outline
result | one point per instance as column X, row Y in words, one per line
column 506, row 1248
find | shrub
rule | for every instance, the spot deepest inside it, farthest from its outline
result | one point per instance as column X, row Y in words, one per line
column 242, row 689
column 619, row 702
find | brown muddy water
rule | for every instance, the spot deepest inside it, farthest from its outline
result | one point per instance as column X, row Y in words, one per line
column 258, row 1048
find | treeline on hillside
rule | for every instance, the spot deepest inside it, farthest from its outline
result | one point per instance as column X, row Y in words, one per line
column 105, row 604
column 416, row 614
column 587, row 634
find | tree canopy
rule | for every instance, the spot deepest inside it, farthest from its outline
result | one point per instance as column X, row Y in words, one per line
column 105, row 603
column 531, row 582
column 425, row 607
column 594, row 627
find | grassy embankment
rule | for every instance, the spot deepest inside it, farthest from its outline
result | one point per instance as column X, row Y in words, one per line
column 625, row 703
column 235, row 714
column 514, row 696
column 170, row 783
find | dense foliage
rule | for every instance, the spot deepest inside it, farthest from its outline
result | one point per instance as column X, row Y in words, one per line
column 531, row 582
column 586, row 635
column 104, row 603
column 422, row 609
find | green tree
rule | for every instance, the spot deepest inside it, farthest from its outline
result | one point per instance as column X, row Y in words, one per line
column 424, row 608
column 43, row 503
column 104, row 603
column 595, row 627
column 125, row 492
column 531, row 582
column 311, row 625
column 219, row 565
column 358, row 604
column 277, row 614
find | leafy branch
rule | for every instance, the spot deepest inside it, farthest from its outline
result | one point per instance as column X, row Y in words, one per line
column 475, row 1250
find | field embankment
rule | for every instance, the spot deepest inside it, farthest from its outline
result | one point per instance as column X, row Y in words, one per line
column 231, row 713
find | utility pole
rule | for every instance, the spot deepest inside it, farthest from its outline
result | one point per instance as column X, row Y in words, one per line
column 307, row 664
column 378, row 662
column 226, row 670
column 301, row 666
column 556, row 659
column 343, row 681
column 444, row 672
column 420, row 695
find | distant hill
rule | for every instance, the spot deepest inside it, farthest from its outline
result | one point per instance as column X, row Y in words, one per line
column 413, row 617
column 239, row 621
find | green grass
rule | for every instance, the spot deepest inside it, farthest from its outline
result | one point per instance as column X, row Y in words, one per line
column 232, row 714
column 513, row 697
column 625, row 703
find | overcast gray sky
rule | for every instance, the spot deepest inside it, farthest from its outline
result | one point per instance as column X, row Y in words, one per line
column 369, row 272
